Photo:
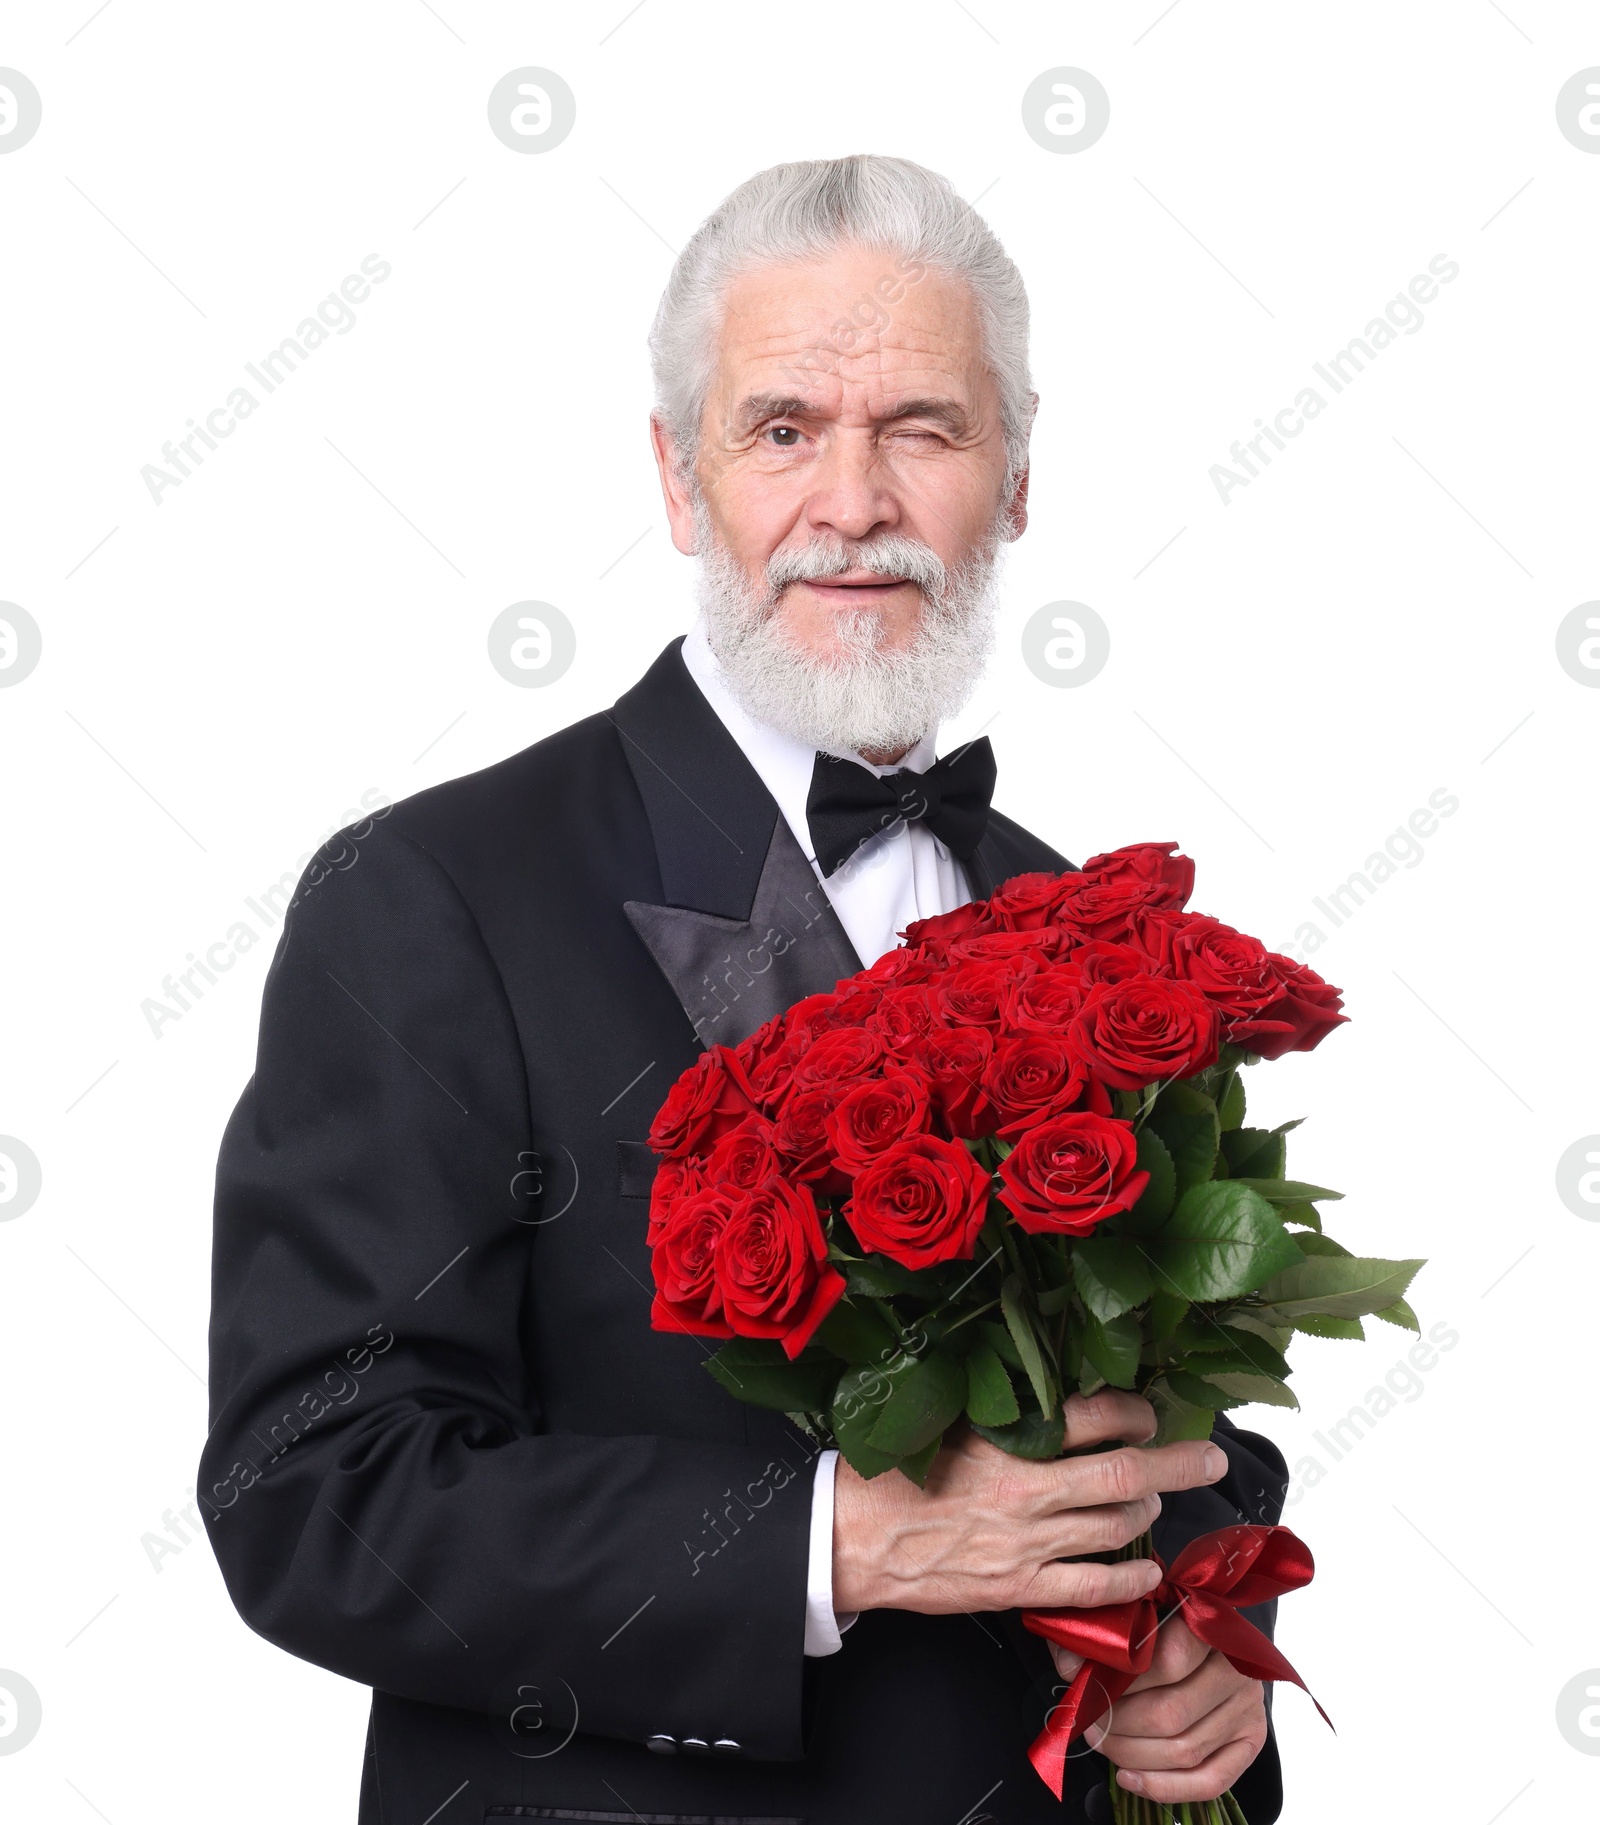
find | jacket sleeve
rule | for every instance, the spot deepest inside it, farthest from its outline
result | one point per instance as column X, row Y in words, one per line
column 381, row 1490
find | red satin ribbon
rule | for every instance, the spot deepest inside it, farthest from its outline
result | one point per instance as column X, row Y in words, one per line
column 1210, row 1581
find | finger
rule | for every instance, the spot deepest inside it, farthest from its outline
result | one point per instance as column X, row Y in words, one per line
column 1071, row 1531
column 1067, row 1663
column 1214, row 1776
column 1094, row 1419
column 1178, row 1725
column 1177, row 1655
column 1088, row 1585
column 1125, row 1476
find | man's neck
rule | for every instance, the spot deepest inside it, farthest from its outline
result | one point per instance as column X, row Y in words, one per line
column 885, row 757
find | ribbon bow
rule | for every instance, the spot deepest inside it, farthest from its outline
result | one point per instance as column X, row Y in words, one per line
column 1210, row 1581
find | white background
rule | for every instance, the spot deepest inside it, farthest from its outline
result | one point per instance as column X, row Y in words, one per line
column 1288, row 680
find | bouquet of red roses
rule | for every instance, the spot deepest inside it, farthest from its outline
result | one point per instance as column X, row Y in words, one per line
column 1007, row 1162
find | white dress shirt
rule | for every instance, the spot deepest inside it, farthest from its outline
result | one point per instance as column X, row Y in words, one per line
column 904, row 873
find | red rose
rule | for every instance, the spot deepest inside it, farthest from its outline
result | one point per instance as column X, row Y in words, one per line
column 903, row 1016
column 1135, row 1032
column 1102, row 909
column 674, row 1180
column 1155, row 865
column 801, row 1135
column 1026, row 901
column 974, row 994
column 954, row 1059
column 858, row 1002
column 873, row 1115
column 771, row 1267
column 754, row 1051
column 1103, row 962
column 711, row 1097
column 683, row 1262
column 1032, row 1076
column 1034, row 947
column 898, row 968
column 772, row 1072
column 921, row 1202
column 1304, row 1014
column 744, row 1156
column 1046, row 1002
column 1229, row 968
column 933, row 937
column 813, row 1014
column 1070, row 1173
column 840, row 1056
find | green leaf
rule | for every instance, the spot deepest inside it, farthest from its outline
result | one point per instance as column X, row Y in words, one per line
column 1254, row 1153
column 1222, row 1240
column 991, row 1399
column 1198, row 1391
column 1230, row 1101
column 1113, row 1275
column 1054, row 1299
column 1263, row 1390
column 857, row 1402
column 1338, row 1286
column 927, row 1397
column 1319, row 1244
column 1113, row 1348
column 1156, row 1200
column 1166, row 1312
column 1186, row 1120
column 1285, row 1191
column 1306, row 1214
column 1177, row 1418
column 755, row 1369
column 1320, row 1324
column 999, row 1340
column 1033, row 1436
column 1022, row 1335
column 917, row 1465
column 856, row 1334
column 1243, row 1319
column 879, row 1278
column 1220, row 1348
column 1400, row 1314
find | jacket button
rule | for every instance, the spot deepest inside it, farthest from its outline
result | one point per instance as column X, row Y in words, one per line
column 725, row 1745
column 662, row 1744
column 695, row 1745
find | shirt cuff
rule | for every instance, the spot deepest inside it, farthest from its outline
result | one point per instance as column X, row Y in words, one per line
column 823, row 1627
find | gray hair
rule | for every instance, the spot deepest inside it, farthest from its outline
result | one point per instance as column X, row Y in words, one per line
column 807, row 210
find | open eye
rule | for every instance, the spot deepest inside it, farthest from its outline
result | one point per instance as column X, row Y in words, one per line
column 785, row 436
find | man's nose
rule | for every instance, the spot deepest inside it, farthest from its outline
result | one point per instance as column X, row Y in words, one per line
column 852, row 493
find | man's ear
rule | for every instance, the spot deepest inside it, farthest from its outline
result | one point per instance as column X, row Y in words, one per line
column 674, row 488
column 1016, row 516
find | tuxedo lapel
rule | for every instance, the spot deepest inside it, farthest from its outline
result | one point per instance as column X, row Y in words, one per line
column 746, row 929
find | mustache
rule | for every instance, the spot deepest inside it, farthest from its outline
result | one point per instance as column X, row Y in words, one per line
column 889, row 554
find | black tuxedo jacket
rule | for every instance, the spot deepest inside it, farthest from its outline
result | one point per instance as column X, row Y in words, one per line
column 449, row 1458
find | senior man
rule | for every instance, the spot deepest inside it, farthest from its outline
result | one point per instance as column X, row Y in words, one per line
column 449, row 1457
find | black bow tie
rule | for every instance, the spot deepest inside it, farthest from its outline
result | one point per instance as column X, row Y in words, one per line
column 848, row 804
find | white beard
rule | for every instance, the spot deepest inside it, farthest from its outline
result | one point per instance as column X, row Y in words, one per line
column 863, row 699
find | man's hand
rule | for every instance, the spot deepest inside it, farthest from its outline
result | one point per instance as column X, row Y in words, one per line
column 1187, row 1729
column 989, row 1530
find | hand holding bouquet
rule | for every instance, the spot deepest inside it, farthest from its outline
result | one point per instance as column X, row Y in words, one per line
column 1007, row 1162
